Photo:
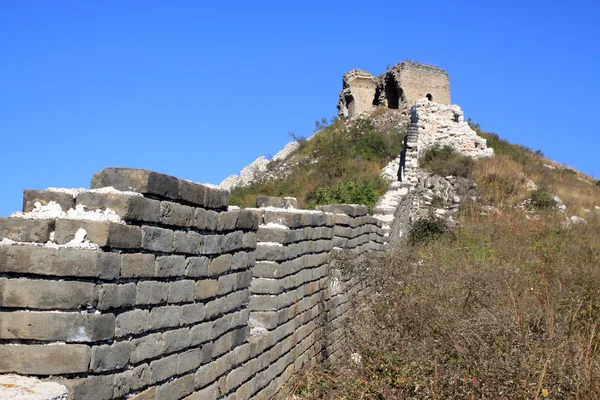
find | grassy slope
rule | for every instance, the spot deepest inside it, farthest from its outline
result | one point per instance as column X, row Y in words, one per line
column 348, row 159
column 505, row 307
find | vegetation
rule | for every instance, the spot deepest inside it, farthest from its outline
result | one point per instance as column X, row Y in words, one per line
column 504, row 307
column 446, row 161
column 340, row 164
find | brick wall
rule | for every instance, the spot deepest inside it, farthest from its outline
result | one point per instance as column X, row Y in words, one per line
column 183, row 298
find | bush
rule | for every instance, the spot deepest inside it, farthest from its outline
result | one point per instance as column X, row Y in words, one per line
column 351, row 192
column 427, row 229
column 542, row 198
column 446, row 161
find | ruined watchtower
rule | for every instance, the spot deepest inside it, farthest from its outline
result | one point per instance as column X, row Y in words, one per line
column 398, row 88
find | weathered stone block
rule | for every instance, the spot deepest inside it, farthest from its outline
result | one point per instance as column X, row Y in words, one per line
column 220, row 265
column 217, row 199
column 181, row 291
column 137, row 265
column 196, row 267
column 213, row 244
column 146, row 347
column 188, row 242
column 129, row 207
column 351, row 210
column 170, row 266
column 248, row 220
column 116, row 296
column 157, row 239
column 192, row 192
column 176, row 214
column 57, row 326
column 165, row 317
column 176, row 340
column 249, row 241
column 206, row 289
column 181, row 387
column 192, row 313
column 30, row 197
column 40, row 294
column 152, row 292
column 109, row 357
column 234, row 241
column 227, row 220
column 201, row 333
column 132, row 380
column 59, row 262
column 132, row 322
column 44, row 359
column 104, row 234
column 163, row 368
column 277, row 202
column 137, row 180
column 26, row 230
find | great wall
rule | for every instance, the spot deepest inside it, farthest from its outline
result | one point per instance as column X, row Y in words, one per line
column 151, row 287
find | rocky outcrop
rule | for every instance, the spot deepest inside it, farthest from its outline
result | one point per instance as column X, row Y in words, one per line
column 262, row 169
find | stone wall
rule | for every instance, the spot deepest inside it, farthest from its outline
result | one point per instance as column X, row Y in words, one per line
column 165, row 292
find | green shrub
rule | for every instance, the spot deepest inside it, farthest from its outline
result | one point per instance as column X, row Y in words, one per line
column 446, row 161
column 427, row 229
column 351, row 192
column 542, row 198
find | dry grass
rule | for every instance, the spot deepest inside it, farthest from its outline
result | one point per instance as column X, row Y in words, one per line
column 505, row 308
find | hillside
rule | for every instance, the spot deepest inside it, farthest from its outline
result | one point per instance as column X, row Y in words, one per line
column 503, row 305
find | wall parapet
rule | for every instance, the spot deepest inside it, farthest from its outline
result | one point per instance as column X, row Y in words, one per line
column 148, row 286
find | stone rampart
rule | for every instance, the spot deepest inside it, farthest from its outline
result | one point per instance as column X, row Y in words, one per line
column 166, row 292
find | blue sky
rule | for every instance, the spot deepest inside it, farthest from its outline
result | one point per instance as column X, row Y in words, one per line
column 199, row 89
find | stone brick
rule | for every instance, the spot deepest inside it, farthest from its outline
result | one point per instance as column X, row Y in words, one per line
column 44, row 359
column 26, row 230
column 152, row 292
column 192, row 313
column 201, row 333
column 157, row 239
column 170, row 266
column 192, row 192
column 30, row 197
column 59, row 262
column 146, row 347
column 217, row 199
column 239, row 261
column 176, row 340
column 213, row 244
column 227, row 220
column 205, row 375
column 116, row 296
column 212, row 220
column 57, row 326
column 132, row 380
column 277, row 202
column 109, row 357
column 129, row 207
column 206, row 289
column 181, row 291
column 249, row 241
column 188, row 242
column 104, row 234
column 189, row 360
column 148, row 394
column 220, row 265
column 176, row 214
column 351, row 210
column 137, row 265
column 132, row 322
column 248, row 220
column 163, row 368
column 41, row 294
column 90, row 388
column 137, row 180
column 181, row 387
column 197, row 267
column 165, row 317
column 234, row 241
